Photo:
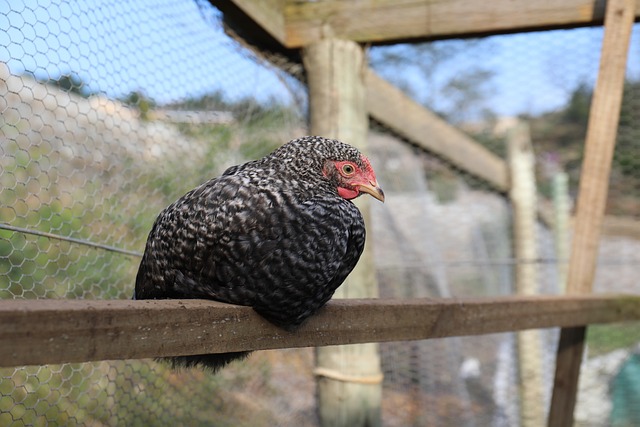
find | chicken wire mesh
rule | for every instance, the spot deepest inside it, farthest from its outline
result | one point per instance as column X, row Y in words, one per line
column 112, row 110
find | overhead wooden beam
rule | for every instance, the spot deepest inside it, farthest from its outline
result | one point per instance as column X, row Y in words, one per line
column 258, row 23
column 391, row 107
column 621, row 226
column 266, row 13
column 54, row 331
column 392, row 21
column 612, row 225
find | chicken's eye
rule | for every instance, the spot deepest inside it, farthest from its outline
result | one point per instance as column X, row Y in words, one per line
column 348, row 169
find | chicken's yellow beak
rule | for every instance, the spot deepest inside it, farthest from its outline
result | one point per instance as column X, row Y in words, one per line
column 374, row 189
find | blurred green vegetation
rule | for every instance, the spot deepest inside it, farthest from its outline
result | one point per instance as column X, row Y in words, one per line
column 67, row 81
column 114, row 201
column 46, row 192
column 123, row 393
column 559, row 137
column 603, row 339
column 116, row 204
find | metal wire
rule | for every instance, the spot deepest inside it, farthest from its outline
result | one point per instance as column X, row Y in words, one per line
column 94, row 143
column 69, row 239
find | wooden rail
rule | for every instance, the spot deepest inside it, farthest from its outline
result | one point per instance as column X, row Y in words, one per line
column 294, row 24
column 391, row 107
column 385, row 21
column 54, row 331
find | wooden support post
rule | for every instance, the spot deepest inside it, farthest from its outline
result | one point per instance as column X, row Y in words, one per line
column 522, row 193
column 594, row 181
column 349, row 377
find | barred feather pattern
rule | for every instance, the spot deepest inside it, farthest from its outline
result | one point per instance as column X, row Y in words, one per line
column 273, row 234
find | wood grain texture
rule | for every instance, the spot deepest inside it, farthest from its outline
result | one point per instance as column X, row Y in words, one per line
column 337, row 109
column 594, row 182
column 296, row 24
column 599, row 146
column 388, row 105
column 268, row 14
column 56, row 331
column 387, row 21
column 565, row 384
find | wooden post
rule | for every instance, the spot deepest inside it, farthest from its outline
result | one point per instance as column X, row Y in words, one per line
column 522, row 193
column 349, row 377
column 594, row 181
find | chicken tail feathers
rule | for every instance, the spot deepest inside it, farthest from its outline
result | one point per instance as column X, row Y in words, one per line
column 212, row 362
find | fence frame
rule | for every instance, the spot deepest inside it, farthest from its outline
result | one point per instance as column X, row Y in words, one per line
column 58, row 331
column 602, row 130
column 46, row 331
column 292, row 25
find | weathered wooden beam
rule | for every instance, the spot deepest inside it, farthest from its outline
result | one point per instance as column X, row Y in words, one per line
column 266, row 13
column 592, row 195
column 621, row 226
column 286, row 25
column 612, row 225
column 54, row 331
column 258, row 23
column 388, row 105
column 393, row 21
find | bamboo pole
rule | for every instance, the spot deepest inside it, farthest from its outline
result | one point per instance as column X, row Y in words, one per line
column 596, row 166
column 522, row 194
column 349, row 378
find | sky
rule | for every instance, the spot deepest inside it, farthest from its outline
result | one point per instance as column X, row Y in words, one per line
column 531, row 72
column 166, row 48
column 176, row 49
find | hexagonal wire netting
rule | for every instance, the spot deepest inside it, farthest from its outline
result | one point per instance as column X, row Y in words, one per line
column 112, row 110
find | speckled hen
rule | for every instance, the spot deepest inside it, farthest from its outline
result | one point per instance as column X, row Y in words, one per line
column 279, row 234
